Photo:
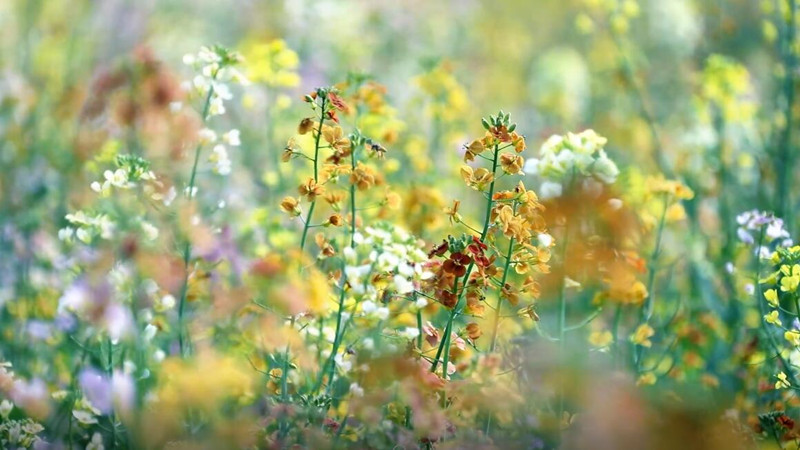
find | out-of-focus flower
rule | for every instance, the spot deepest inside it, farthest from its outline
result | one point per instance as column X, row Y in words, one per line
column 272, row 63
column 642, row 335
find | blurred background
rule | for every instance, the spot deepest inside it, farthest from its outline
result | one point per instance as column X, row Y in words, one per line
column 700, row 91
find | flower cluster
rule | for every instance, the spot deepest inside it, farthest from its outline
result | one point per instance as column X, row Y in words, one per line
column 562, row 159
column 272, row 63
column 762, row 229
column 216, row 68
column 385, row 262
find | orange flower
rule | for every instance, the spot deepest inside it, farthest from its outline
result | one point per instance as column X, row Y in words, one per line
column 363, row 177
column 291, row 206
column 338, row 103
column 334, row 136
column 334, row 199
column 311, row 189
column 473, row 330
column 518, row 142
column 511, row 163
column 452, row 212
column 335, row 220
column 477, row 179
column 476, row 147
column 305, row 126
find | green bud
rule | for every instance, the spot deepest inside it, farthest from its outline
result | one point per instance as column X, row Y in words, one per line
column 485, row 124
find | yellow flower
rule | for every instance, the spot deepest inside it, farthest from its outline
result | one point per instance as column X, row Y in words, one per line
column 601, row 339
column 272, row 63
column 773, row 318
column 642, row 335
column 646, row 379
column 793, row 337
column 772, row 297
column 783, row 381
column 791, row 278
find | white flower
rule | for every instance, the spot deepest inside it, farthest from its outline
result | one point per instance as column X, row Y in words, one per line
column 149, row 332
column 150, row 231
column 344, row 364
column 403, row 285
column 605, row 169
column 550, row 189
column 219, row 156
column 96, row 442
column 545, row 240
column 5, row 408
column 191, row 194
column 232, row 138
column 166, row 302
column 159, row 355
column 216, row 107
column 410, row 332
column 207, row 136
column 356, row 390
column 65, row 234
column 85, row 417
column 170, row 196
column 531, row 166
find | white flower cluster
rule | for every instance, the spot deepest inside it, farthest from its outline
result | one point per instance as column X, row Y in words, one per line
column 215, row 67
column 389, row 252
column 20, row 434
column 753, row 223
column 86, row 227
column 130, row 171
column 563, row 157
column 219, row 154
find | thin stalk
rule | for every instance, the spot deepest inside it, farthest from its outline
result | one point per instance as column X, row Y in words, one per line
column 647, row 310
column 330, row 366
column 487, row 217
column 284, row 428
column 500, row 297
column 112, row 416
column 316, row 172
column 562, row 311
column 419, row 328
column 187, row 250
column 784, row 162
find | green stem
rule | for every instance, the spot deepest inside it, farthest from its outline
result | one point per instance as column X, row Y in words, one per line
column 562, row 311
column 316, row 172
column 647, row 312
column 784, row 162
column 487, row 217
column 500, row 297
column 187, row 250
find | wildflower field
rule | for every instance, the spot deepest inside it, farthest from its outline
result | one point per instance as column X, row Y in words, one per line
column 410, row 224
